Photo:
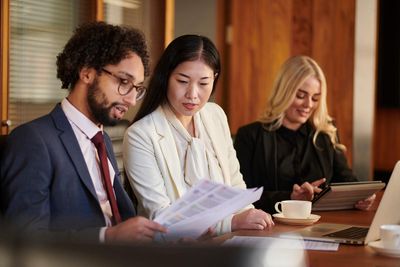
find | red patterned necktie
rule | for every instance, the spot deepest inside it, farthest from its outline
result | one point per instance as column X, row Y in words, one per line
column 98, row 141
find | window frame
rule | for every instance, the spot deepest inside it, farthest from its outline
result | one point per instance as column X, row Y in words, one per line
column 4, row 61
column 159, row 35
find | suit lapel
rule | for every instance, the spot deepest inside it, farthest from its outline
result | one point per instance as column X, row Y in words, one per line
column 71, row 145
column 270, row 155
column 110, row 154
column 167, row 145
column 324, row 157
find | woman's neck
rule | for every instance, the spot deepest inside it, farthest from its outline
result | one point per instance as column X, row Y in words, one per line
column 188, row 123
column 290, row 125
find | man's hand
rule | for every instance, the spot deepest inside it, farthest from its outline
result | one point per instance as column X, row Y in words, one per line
column 205, row 237
column 134, row 229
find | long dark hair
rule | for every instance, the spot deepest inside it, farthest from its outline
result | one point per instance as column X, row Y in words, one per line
column 182, row 49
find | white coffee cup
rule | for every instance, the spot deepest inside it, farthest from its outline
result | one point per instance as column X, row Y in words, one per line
column 294, row 209
column 390, row 236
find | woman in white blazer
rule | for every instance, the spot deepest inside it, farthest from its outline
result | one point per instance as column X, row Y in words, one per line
column 178, row 137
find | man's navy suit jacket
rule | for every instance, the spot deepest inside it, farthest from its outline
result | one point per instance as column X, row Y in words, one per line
column 45, row 183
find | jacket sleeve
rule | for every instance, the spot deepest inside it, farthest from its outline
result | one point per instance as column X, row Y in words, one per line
column 142, row 170
column 26, row 179
column 245, row 142
column 336, row 166
column 341, row 170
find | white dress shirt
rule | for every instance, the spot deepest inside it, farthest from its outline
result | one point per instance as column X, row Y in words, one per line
column 84, row 130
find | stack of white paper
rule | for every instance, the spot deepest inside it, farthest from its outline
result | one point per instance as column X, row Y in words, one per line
column 265, row 242
column 203, row 206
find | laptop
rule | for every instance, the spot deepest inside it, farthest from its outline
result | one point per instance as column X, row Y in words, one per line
column 387, row 213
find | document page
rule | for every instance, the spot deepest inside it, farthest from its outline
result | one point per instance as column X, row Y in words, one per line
column 203, row 206
column 265, row 242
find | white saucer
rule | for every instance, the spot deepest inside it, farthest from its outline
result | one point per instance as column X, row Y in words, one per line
column 378, row 247
column 310, row 220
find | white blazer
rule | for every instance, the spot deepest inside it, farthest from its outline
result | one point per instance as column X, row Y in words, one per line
column 152, row 164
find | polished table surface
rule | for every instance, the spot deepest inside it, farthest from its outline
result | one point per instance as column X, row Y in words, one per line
column 347, row 255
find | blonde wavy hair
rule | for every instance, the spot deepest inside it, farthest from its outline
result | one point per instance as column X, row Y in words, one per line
column 293, row 73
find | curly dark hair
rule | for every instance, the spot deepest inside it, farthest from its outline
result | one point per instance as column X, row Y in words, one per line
column 97, row 44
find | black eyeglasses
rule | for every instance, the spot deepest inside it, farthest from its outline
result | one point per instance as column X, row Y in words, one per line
column 126, row 86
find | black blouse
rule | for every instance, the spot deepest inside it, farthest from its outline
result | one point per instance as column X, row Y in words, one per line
column 296, row 157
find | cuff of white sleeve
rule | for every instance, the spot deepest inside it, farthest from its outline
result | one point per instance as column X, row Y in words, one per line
column 102, row 234
column 225, row 225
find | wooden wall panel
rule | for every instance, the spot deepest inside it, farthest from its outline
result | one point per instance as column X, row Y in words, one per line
column 302, row 27
column 386, row 139
column 260, row 43
column 333, row 49
column 223, row 22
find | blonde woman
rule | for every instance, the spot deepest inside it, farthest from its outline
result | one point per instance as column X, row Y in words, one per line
column 293, row 149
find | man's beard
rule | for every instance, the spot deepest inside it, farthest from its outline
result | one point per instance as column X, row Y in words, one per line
column 99, row 106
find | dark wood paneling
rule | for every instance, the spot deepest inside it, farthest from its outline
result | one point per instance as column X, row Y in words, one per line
column 386, row 139
column 387, row 120
column 156, row 27
column 260, row 43
column 333, row 49
column 223, row 19
column 302, row 26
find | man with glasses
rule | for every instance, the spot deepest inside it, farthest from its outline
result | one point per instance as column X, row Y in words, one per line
column 126, row 85
column 58, row 173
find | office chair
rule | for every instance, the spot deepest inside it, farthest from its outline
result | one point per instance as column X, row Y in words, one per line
column 2, row 145
column 2, row 142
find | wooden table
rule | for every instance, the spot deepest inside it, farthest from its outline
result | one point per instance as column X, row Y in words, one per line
column 347, row 255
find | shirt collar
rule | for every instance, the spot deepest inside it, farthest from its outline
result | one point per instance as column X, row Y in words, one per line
column 76, row 117
column 173, row 120
column 303, row 130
